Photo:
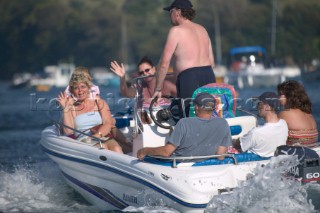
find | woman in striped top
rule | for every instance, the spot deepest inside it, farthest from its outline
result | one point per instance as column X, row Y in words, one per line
column 297, row 113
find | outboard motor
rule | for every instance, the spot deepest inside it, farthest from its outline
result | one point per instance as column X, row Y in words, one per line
column 308, row 168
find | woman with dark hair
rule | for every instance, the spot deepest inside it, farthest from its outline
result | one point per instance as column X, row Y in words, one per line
column 297, row 113
column 145, row 68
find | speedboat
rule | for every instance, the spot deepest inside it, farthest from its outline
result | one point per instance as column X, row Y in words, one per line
column 112, row 181
column 247, row 69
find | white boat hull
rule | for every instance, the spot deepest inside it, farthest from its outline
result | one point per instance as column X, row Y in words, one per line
column 113, row 181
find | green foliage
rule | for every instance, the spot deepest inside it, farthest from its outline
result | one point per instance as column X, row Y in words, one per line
column 35, row 33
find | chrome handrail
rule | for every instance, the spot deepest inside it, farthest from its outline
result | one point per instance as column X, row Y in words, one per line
column 136, row 118
column 176, row 159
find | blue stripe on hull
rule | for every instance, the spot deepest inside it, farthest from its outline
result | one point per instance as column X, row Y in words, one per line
column 155, row 188
column 101, row 193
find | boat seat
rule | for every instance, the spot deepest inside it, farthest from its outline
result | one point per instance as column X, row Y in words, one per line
column 225, row 97
column 122, row 122
column 241, row 125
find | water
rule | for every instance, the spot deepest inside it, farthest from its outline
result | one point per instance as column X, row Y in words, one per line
column 31, row 182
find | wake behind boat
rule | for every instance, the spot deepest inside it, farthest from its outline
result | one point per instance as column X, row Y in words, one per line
column 115, row 181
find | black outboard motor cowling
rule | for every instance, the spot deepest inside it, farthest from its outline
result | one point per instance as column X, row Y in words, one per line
column 308, row 168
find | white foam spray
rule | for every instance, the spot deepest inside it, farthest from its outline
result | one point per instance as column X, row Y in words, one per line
column 266, row 191
column 26, row 189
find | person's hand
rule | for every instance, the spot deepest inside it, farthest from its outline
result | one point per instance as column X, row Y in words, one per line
column 141, row 154
column 117, row 69
column 65, row 101
column 157, row 94
column 86, row 140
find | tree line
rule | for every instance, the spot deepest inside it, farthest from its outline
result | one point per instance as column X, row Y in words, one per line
column 35, row 33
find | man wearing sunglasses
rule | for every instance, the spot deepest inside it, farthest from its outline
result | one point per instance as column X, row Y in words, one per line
column 264, row 140
column 190, row 46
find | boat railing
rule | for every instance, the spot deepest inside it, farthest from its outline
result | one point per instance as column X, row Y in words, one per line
column 180, row 159
column 136, row 116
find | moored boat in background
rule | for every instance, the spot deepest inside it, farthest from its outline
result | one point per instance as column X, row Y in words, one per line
column 248, row 68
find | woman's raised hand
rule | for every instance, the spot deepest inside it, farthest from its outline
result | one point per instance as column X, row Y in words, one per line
column 65, row 101
column 117, row 69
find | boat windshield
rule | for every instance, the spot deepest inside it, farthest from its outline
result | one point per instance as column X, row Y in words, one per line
column 241, row 57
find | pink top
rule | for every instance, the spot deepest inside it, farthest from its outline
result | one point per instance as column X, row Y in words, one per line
column 94, row 91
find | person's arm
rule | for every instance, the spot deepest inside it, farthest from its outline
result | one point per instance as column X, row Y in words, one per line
column 247, row 141
column 165, row 151
column 236, row 144
column 211, row 56
column 66, row 104
column 169, row 48
column 121, row 72
column 107, row 119
column 221, row 150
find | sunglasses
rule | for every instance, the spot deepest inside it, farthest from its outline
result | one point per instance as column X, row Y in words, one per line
column 80, row 87
column 144, row 71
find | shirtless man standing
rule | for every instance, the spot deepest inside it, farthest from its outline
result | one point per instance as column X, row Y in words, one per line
column 189, row 45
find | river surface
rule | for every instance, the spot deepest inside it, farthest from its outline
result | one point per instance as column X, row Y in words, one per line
column 31, row 182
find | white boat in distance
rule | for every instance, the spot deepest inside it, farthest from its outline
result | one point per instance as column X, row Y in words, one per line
column 56, row 76
column 115, row 181
column 247, row 69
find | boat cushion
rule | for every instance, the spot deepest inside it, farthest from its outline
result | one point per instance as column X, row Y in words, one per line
column 235, row 130
column 122, row 122
column 242, row 157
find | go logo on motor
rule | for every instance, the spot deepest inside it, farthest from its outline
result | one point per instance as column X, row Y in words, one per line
column 312, row 175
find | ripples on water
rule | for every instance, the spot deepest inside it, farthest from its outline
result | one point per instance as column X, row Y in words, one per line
column 31, row 182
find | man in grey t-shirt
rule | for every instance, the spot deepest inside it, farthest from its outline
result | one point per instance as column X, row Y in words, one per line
column 197, row 136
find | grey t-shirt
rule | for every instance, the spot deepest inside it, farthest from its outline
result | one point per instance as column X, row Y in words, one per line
column 199, row 137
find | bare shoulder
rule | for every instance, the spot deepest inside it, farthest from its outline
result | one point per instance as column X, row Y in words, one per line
column 175, row 29
column 284, row 114
column 288, row 115
column 102, row 103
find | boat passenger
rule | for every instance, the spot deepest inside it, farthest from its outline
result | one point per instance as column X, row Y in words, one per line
column 146, row 68
column 94, row 90
column 202, row 135
column 91, row 116
column 95, row 94
column 297, row 113
column 189, row 44
column 264, row 140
